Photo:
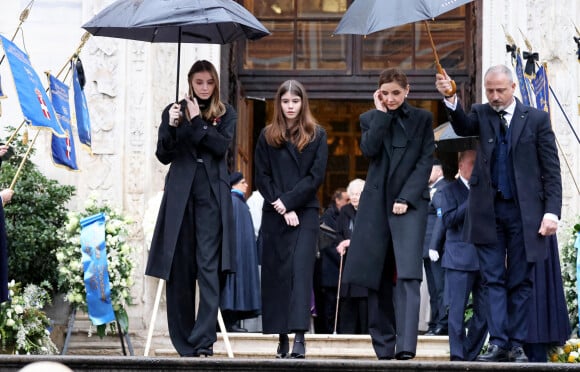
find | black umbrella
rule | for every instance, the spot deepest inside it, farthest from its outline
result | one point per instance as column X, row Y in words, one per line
column 364, row 17
column 177, row 21
column 446, row 140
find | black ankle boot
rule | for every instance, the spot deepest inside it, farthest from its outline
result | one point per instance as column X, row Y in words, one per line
column 283, row 347
column 299, row 347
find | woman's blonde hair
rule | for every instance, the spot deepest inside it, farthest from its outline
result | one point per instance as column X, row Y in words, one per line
column 303, row 132
column 216, row 108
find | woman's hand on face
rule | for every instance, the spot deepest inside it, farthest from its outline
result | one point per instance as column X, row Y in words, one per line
column 175, row 115
column 192, row 106
column 291, row 219
column 400, row 208
column 279, row 206
column 378, row 101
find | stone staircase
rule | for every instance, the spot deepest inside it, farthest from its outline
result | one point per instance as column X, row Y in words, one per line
column 243, row 345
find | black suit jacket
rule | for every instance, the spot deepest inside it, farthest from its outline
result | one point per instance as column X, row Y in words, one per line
column 534, row 160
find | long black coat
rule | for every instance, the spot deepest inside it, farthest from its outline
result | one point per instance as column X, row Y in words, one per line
column 289, row 253
column 400, row 165
column 536, row 169
column 180, row 147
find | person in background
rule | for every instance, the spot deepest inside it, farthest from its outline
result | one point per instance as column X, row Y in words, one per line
column 514, row 203
column 290, row 163
column 433, row 271
column 326, row 277
column 240, row 296
column 461, row 266
column 194, row 234
column 339, row 199
column 6, row 197
column 353, row 306
column 385, row 253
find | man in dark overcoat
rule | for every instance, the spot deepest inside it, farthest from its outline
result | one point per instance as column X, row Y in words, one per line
column 400, row 145
column 514, row 203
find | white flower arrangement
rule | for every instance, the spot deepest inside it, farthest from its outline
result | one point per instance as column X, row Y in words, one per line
column 24, row 326
column 119, row 256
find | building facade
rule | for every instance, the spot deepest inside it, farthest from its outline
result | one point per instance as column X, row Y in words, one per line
column 129, row 83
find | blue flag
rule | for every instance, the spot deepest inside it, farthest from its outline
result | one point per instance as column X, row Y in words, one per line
column 63, row 149
column 81, row 111
column 96, row 271
column 542, row 89
column 36, row 107
column 523, row 82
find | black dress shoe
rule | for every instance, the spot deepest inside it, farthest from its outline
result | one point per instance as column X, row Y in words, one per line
column 203, row 351
column 518, row 355
column 385, row 357
column 440, row 331
column 430, row 332
column 236, row 328
column 298, row 349
column 494, row 353
column 405, row 355
column 283, row 347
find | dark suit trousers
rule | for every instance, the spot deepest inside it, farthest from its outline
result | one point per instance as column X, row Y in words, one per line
column 435, row 276
column 462, row 346
column 508, row 288
column 394, row 312
column 201, row 226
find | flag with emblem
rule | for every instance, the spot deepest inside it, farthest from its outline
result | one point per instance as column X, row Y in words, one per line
column 36, row 107
column 63, row 149
column 542, row 89
column 81, row 110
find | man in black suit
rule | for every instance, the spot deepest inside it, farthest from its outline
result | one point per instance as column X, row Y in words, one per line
column 433, row 271
column 461, row 267
column 514, row 203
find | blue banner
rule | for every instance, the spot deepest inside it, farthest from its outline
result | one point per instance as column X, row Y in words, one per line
column 96, row 273
column 81, row 111
column 63, row 149
column 542, row 89
column 36, row 107
column 522, row 81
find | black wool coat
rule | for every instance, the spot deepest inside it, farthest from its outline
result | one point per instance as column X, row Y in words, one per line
column 400, row 166
column 181, row 147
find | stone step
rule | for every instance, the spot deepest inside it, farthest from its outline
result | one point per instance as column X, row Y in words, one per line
column 255, row 345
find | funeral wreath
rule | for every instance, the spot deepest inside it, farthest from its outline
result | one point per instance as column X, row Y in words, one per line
column 119, row 260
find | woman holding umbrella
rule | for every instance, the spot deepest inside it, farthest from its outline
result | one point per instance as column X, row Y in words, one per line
column 290, row 162
column 193, row 237
column 385, row 253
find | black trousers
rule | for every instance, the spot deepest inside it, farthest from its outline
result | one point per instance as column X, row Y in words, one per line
column 196, row 256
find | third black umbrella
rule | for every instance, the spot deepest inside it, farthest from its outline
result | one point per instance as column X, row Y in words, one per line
column 177, row 21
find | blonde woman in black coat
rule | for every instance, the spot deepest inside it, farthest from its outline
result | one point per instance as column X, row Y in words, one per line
column 194, row 234
column 386, row 247
column 290, row 163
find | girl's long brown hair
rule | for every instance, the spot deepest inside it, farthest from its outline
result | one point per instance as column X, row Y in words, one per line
column 216, row 107
column 277, row 132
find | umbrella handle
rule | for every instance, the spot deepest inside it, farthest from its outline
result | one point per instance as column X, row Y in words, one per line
column 440, row 70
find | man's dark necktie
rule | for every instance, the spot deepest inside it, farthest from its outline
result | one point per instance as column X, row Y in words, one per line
column 503, row 121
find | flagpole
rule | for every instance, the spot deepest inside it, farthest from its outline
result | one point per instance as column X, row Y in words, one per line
column 23, row 17
column 84, row 39
column 23, row 161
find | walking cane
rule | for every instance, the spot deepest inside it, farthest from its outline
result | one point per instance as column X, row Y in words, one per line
column 338, row 293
